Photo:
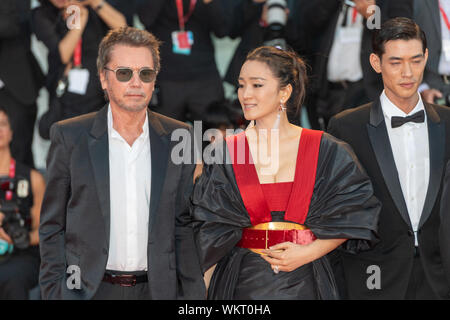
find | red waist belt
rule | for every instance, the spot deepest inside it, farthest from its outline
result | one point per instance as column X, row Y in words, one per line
column 265, row 235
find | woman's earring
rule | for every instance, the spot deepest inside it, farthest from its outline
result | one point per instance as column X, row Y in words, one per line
column 281, row 108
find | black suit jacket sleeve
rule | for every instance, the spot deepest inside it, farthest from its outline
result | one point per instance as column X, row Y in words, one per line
column 215, row 18
column 400, row 8
column 149, row 12
column 318, row 13
column 53, row 218
column 332, row 129
column 44, row 28
column 190, row 278
column 244, row 13
column 444, row 227
column 9, row 19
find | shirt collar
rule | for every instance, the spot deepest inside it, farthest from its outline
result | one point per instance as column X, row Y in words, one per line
column 114, row 134
column 391, row 110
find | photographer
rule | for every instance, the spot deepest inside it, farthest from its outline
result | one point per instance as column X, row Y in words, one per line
column 72, row 30
column 342, row 77
column 21, row 194
column 250, row 21
column 20, row 75
column 190, row 71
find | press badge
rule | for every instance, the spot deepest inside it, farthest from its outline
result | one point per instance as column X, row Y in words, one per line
column 23, row 188
column 182, row 42
column 78, row 80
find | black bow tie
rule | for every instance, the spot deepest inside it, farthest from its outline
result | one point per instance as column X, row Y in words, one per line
column 417, row 117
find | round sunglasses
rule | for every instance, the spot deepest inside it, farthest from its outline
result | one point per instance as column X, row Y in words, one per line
column 125, row 74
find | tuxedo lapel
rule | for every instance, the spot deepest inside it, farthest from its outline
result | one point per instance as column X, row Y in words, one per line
column 159, row 146
column 436, row 138
column 99, row 155
column 381, row 145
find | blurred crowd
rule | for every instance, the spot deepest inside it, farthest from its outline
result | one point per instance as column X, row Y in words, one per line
column 333, row 37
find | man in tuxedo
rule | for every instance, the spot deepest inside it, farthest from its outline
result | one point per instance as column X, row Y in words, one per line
column 403, row 144
column 115, row 212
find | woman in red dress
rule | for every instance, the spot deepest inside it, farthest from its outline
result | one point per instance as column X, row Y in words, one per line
column 284, row 198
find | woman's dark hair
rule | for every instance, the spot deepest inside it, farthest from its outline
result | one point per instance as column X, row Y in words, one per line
column 397, row 29
column 286, row 66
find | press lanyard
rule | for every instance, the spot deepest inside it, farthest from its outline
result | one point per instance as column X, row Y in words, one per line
column 182, row 20
column 77, row 55
column 444, row 16
column 12, row 174
column 354, row 16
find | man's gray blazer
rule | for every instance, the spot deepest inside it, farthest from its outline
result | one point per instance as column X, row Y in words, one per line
column 75, row 215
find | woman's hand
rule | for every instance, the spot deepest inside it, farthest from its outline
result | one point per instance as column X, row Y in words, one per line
column 287, row 256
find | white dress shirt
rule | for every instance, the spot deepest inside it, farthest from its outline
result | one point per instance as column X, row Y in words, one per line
column 411, row 151
column 344, row 61
column 129, row 179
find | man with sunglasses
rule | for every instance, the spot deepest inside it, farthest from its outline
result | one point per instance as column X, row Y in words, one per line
column 115, row 209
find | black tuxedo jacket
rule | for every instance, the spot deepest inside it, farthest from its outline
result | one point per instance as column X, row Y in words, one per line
column 75, row 215
column 365, row 130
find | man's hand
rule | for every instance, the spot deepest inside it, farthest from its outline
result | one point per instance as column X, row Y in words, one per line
column 362, row 5
column 430, row 95
column 3, row 234
column 207, row 1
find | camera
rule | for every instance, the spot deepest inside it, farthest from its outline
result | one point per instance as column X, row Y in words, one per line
column 14, row 223
column 15, row 226
column 276, row 20
column 276, row 14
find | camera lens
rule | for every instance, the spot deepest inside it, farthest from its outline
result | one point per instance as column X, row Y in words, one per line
column 276, row 14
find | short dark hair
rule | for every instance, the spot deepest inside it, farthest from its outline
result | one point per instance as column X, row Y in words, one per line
column 400, row 28
column 130, row 37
